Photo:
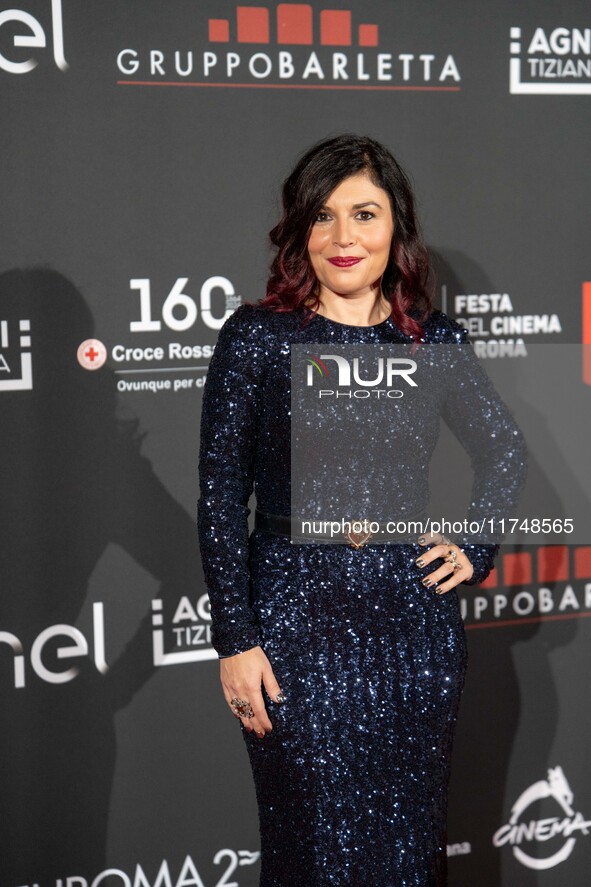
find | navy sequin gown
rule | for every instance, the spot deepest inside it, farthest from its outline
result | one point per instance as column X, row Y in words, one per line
column 352, row 781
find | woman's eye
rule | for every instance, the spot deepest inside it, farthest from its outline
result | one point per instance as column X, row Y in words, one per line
column 363, row 215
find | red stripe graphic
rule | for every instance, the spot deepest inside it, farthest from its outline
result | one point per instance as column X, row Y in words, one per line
column 551, row 562
column 294, row 24
column 349, row 86
column 530, row 620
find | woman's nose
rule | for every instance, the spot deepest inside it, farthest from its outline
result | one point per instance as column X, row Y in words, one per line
column 343, row 235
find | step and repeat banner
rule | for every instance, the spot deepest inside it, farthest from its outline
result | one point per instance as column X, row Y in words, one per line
column 143, row 145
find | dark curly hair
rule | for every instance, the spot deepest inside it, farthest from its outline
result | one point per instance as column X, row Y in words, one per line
column 406, row 280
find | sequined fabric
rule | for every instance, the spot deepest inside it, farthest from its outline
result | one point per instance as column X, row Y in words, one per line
column 352, row 781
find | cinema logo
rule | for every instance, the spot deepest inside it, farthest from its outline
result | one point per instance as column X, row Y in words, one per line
column 16, row 363
column 186, row 637
column 27, row 31
column 523, row 833
column 327, row 49
column 387, row 372
column 550, row 62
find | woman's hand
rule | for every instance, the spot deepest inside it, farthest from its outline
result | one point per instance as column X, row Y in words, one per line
column 456, row 569
column 241, row 677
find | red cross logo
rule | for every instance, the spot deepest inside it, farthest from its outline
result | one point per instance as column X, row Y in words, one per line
column 92, row 354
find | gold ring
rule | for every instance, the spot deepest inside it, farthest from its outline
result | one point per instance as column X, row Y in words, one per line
column 452, row 558
column 242, row 707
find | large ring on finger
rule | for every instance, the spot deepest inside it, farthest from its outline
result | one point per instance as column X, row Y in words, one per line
column 452, row 558
column 242, row 707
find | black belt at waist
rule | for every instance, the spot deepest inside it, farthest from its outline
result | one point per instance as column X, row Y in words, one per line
column 355, row 533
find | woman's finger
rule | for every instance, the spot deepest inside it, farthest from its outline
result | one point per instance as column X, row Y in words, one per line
column 252, row 695
column 241, row 676
column 230, row 698
column 438, row 575
column 271, row 686
column 457, row 577
column 432, row 554
column 260, row 722
column 456, row 569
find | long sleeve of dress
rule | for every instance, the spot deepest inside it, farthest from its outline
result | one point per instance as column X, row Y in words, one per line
column 231, row 402
column 495, row 444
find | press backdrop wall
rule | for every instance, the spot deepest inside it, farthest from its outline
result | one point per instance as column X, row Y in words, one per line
column 143, row 146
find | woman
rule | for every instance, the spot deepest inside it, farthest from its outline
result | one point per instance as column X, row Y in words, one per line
column 343, row 663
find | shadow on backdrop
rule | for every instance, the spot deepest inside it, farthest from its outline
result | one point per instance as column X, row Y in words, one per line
column 496, row 726
column 73, row 481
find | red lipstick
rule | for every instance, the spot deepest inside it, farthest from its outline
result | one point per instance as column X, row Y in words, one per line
column 345, row 261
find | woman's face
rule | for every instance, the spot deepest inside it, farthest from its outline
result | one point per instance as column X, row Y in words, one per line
column 350, row 241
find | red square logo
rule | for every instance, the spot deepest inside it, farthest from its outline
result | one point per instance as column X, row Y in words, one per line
column 253, row 24
column 335, row 27
column 583, row 562
column 294, row 24
column 219, row 30
column 552, row 563
column 368, row 35
column 491, row 581
column 517, row 569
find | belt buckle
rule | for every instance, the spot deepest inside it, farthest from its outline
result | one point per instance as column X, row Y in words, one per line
column 357, row 539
